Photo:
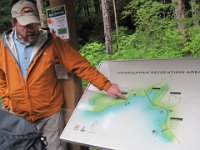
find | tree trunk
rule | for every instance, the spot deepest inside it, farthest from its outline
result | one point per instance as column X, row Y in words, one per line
column 97, row 7
column 116, row 23
column 179, row 13
column 107, row 26
column 42, row 14
column 194, row 8
column 86, row 10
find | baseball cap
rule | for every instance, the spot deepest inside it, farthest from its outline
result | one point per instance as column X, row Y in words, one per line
column 25, row 12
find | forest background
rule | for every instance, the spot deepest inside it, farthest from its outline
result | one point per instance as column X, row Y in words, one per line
column 147, row 28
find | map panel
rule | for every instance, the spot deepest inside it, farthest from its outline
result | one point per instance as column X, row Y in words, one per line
column 161, row 110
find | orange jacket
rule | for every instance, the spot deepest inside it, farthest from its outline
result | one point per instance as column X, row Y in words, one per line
column 40, row 94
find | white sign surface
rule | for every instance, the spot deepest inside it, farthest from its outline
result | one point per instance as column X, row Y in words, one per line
column 57, row 21
column 162, row 110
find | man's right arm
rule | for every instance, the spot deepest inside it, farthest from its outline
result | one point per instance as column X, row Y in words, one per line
column 4, row 90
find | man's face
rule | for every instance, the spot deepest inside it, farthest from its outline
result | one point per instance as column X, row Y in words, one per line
column 28, row 33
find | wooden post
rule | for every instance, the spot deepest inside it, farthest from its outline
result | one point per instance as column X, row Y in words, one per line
column 72, row 87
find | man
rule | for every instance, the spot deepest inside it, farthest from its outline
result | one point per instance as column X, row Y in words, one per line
column 28, row 84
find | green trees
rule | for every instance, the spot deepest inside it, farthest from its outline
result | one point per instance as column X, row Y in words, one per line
column 148, row 28
column 156, row 34
column 158, row 31
column 5, row 18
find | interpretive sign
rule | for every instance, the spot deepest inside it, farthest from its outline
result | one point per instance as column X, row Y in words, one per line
column 162, row 109
column 57, row 21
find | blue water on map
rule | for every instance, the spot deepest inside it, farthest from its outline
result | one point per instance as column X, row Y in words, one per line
column 156, row 115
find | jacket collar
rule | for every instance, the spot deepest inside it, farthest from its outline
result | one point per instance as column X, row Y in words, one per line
column 7, row 39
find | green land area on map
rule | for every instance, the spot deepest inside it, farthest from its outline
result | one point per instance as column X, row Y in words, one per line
column 151, row 98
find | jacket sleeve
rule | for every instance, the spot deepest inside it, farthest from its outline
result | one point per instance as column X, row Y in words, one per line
column 3, row 90
column 3, row 84
column 73, row 61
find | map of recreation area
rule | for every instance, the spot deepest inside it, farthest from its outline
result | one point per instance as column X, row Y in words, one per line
column 161, row 110
column 160, row 114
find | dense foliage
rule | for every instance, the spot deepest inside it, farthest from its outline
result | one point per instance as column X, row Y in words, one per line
column 5, row 16
column 155, row 34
